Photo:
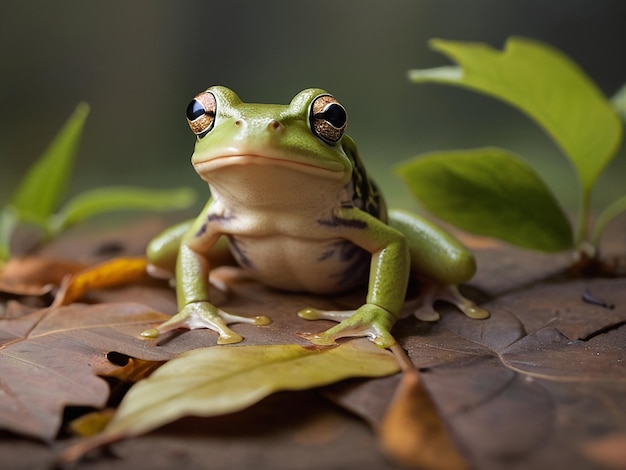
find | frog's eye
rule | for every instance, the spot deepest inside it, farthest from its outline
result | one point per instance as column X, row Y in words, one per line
column 201, row 113
column 328, row 118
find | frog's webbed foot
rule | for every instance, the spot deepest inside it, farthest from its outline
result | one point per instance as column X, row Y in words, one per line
column 369, row 321
column 198, row 315
column 447, row 293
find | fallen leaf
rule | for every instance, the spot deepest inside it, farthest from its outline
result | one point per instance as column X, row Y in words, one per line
column 527, row 364
column 33, row 275
column 51, row 358
column 117, row 271
column 221, row 380
column 609, row 451
column 216, row 381
column 92, row 423
column 412, row 431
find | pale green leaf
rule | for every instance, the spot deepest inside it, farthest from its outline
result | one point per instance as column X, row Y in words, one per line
column 619, row 102
column 490, row 192
column 40, row 192
column 614, row 209
column 219, row 380
column 8, row 220
column 546, row 85
column 107, row 199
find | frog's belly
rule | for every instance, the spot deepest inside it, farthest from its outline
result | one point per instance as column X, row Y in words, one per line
column 302, row 265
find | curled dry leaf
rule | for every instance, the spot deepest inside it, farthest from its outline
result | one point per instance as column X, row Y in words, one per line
column 107, row 274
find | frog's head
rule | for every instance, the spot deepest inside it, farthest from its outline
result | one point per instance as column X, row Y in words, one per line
column 242, row 141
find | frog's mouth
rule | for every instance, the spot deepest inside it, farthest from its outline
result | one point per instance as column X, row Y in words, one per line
column 334, row 170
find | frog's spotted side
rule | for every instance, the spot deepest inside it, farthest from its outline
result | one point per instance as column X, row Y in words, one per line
column 293, row 202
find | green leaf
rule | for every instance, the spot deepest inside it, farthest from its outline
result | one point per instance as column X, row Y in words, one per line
column 619, row 102
column 219, row 380
column 490, row 192
column 8, row 220
column 41, row 190
column 107, row 199
column 614, row 209
column 546, row 85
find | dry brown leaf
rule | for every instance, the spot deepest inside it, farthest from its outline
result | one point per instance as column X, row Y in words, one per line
column 51, row 358
column 543, row 374
column 412, row 432
column 609, row 451
column 32, row 275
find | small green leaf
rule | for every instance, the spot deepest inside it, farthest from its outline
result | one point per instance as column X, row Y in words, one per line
column 619, row 102
column 546, row 85
column 8, row 220
column 220, row 380
column 490, row 192
column 41, row 190
column 108, row 199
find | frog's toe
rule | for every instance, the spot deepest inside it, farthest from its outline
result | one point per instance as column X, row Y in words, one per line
column 228, row 336
column 427, row 313
column 473, row 311
column 329, row 337
column 319, row 339
column 368, row 321
column 470, row 309
column 258, row 320
column 334, row 315
column 450, row 294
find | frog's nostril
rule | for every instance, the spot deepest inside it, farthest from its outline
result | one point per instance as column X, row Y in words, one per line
column 238, row 122
column 274, row 125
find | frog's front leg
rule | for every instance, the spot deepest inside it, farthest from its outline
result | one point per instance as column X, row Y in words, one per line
column 389, row 275
column 192, row 290
column 440, row 262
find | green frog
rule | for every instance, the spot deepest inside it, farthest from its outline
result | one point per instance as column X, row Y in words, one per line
column 292, row 203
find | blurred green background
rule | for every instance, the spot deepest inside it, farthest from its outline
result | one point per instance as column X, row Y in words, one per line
column 139, row 62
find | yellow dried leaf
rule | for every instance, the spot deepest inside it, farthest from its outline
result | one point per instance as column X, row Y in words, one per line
column 110, row 273
column 91, row 424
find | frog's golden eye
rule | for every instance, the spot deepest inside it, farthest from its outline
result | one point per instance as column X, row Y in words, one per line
column 201, row 113
column 328, row 118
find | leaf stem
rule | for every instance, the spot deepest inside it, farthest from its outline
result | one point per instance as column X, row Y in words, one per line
column 402, row 358
column 582, row 244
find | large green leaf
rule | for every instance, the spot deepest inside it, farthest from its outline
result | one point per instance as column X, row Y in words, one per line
column 107, row 199
column 219, row 380
column 490, row 192
column 546, row 85
column 41, row 190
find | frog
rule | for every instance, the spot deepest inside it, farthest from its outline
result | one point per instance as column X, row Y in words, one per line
column 291, row 203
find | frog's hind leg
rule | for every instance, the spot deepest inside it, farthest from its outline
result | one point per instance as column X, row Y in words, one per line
column 440, row 261
column 162, row 253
